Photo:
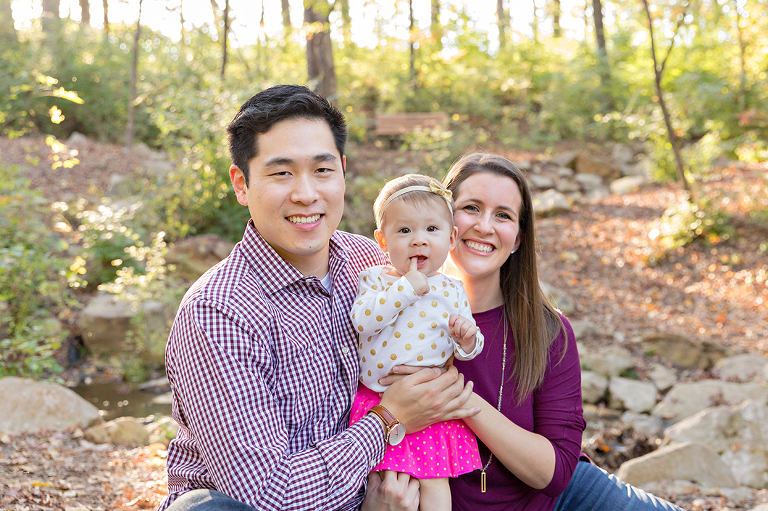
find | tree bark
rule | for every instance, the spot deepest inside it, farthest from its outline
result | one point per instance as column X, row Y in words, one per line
column 105, row 3
column 50, row 15
column 602, row 54
column 85, row 13
column 286, row 12
column 8, row 35
column 743, row 92
column 535, row 23
column 502, row 19
column 134, row 72
column 556, row 11
column 658, row 71
column 224, row 41
column 346, row 21
column 435, row 27
column 320, row 67
column 411, row 43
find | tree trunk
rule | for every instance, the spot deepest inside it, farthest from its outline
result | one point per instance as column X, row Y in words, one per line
column 50, row 15
column 85, row 13
column 287, row 27
column 502, row 17
column 535, row 23
column 224, row 41
column 8, row 35
column 320, row 68
column 435, row 28
column 658, row 70
column 181, row 22
column 412, row 43
column 743, row 92
column 556, row 10
column 134, row 73
column 602, row 55
column 346, row 21
column 105, row 3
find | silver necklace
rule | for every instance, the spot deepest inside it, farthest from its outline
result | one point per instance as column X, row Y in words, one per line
column 498, row 405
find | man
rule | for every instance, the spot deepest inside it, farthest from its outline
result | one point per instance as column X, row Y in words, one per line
column 261, row 357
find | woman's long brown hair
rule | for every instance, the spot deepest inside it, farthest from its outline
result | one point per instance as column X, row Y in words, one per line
column 533, row 320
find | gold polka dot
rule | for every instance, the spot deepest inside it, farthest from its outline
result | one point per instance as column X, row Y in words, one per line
column 421, row 336
column 363, row 294
column 445, row 293
column 456, row 304
column 379, row 318
column 408, row 347
column 434, row 325
column 398, row 304
column 360, row 346
column 442, row 355
column 382, row 301
column 393, row 356
column 373, row 352
column 444, row 284
column 397, row 335
column 369, row 372
column 389, row 283
column 367, row 312
column 423, row 314
column 380, row 365
column 370, row 338
column 420, row 358
column 363, row 359
column 359, row 303
column 400, row 288
column 445, row 314
column 452, row 285
column 360, row 327
column 434, row 346
column 400, row 313
column 365, row 278
column 433, row 288
column 353, row 315
column 410, row 324
column 465, row 303
column 384, row 344
column 374, row 286
column 442, row 333
column 434, row 303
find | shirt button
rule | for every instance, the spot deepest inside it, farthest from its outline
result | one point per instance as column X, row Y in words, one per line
column 345, row 350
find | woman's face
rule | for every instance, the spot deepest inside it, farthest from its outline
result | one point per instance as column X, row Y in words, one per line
column 487, row 215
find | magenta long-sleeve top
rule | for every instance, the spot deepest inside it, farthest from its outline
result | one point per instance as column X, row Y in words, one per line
column 554, row 411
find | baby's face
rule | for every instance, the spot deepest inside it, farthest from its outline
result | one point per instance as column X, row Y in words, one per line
column 424, row 231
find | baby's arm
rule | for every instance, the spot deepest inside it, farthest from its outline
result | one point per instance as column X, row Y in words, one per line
column 375, row 306
column 469, row 340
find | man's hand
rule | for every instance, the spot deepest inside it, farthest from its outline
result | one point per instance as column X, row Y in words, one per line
column 391, row 491
column 417, row 279
column 463, row 331
column 428, row 396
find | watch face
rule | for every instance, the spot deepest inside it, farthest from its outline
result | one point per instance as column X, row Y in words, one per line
column 396, row 434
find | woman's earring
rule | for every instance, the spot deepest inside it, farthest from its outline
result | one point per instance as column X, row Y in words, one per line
column 513, row 251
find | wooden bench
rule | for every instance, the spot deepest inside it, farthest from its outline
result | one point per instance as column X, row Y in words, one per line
column 400, row 124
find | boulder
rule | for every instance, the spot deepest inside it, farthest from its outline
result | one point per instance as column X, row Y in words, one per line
column 643, row 423
column 608, row 360
column 743, row 367
column 739, row 433
column 540, row 182
column 583, row 330
column 632, row 395
column 683, row 351
column 567, row 186
column 550, row 202
column 593, row 387
column 125, row 431
column 628, row 184
column 588, row 163
column 195, row 255
column 27, row 406
column 622, row 153
column 687, row 461
column 589, row 182
column 565, row 159
column 688, row 398
column 663, row 377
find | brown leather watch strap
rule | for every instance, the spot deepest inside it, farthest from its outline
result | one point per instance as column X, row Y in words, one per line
column 386, row 416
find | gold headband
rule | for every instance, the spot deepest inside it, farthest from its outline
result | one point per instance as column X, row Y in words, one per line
column 433, row 187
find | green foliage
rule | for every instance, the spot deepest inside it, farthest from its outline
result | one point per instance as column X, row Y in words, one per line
column 32, row 287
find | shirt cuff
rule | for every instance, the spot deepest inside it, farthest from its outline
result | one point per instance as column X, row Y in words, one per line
column 367, row 428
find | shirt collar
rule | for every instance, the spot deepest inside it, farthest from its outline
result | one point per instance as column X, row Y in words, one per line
column 273, row 271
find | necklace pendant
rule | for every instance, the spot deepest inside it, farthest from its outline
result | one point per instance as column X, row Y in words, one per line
column 482, row 481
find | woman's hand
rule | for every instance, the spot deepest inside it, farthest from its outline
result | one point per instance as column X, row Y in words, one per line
column 399, row 372
column 391, row 491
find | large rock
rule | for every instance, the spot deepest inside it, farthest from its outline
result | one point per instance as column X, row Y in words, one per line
column 608, row 360
column 684, row 351
column 106, row 321
column 593, row 387
column 687, row 461
column 743, row 367
column 195, row 255
column 643, row 423
column 628, row 184
column 623, row 153
column 125, row 431
column 27, row 406
column 540, row 182
column 689, row 398
column 738, row 433
column 632, row 395
column 565, row 159
column 663, row 377
column 550, row 202
column 587, row 163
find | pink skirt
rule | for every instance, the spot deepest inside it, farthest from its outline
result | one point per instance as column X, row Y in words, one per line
column 445, row 449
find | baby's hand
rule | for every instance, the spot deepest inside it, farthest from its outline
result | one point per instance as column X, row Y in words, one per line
column 463, row 332
column 417, row 279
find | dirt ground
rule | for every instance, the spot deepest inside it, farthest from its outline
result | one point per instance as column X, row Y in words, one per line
column 597, row 254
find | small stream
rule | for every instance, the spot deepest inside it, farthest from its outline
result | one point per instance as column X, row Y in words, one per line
column 118, row 399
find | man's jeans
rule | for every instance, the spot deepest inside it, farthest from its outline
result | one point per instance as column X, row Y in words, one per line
column 592, row 488
column 207, row 500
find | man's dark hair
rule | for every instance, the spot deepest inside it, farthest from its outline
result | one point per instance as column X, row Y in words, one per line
column 270, row 106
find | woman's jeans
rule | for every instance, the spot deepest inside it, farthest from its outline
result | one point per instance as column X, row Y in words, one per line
column 207, row 500
column 592, row 488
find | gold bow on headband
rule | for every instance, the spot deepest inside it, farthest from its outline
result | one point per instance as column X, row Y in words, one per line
column 433, row 187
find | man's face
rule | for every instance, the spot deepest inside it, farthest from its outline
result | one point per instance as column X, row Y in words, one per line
column 296, row 191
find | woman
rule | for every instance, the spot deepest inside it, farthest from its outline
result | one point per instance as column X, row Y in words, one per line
column 531, row 419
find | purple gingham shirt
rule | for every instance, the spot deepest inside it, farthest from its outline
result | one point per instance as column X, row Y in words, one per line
column 263, row 366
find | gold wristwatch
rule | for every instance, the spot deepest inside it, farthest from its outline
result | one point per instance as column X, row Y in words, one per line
column 394, row 431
